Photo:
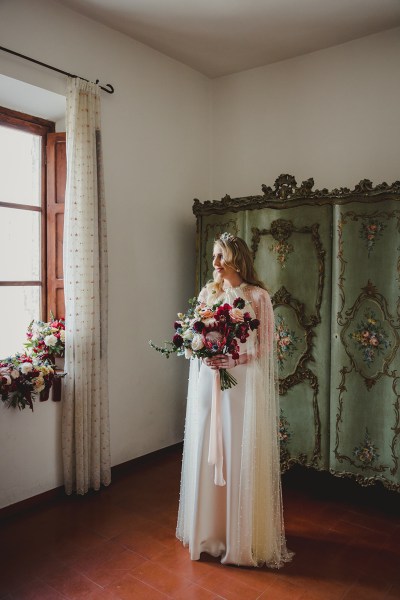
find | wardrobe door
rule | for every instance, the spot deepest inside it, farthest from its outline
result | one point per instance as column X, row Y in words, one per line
column 365, row 366
column 291, row 247
column 209, row 228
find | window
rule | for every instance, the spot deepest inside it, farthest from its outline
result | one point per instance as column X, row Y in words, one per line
column 31, row 224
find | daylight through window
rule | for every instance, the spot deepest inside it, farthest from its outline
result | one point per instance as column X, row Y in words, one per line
column 23, row 234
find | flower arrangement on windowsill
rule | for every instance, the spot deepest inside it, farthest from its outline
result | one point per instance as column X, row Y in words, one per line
column 46, row 341
column 32, row 373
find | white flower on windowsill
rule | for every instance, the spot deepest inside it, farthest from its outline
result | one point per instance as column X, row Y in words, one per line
column 39, row 384
column 50, row 340
column 26, row 367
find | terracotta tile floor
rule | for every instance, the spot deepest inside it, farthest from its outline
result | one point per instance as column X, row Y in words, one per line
column 119, row 544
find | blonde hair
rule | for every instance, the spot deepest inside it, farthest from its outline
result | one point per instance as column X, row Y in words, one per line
column 237, row 255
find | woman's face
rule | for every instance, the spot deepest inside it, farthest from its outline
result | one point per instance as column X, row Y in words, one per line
column 224, row 271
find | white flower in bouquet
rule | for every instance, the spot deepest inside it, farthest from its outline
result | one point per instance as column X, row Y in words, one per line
column 197, row 342
column 209, row 322
column 62, row 335
column 14, row 373
column 188, row 353
column 50, row 340
column 26, row 367
column 188, row 335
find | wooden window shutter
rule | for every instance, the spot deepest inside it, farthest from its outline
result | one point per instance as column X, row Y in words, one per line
column 56, row 180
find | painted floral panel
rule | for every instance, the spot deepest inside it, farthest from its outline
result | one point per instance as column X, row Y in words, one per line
column 282, row 250
column 371, row 231
column 369, row 337
column 366, row 452
column 286, row 340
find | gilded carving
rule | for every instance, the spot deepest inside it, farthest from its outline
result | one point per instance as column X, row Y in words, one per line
column 365, row 219
column 339, row 420
column 301, row 459
column 368, row 292
column 396, row 427
column 283, row 298
column 365, row 481
column 302, row 373
column 285, row 191
column 281, row 230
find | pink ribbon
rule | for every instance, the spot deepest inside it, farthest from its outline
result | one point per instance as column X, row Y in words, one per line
column 215, row 449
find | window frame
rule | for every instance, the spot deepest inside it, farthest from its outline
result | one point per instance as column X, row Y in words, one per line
column 41, row 127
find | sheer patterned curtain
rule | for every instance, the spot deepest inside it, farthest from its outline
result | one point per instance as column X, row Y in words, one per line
column 85, row 421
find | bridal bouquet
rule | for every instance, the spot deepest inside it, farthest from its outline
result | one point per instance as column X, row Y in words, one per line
column 205, row 331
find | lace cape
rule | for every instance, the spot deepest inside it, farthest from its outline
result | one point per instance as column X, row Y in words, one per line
column 260, row 533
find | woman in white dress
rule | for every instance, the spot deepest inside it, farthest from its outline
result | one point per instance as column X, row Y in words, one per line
column 232, row 506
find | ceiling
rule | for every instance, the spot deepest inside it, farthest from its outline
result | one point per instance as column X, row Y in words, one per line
column 219, row 37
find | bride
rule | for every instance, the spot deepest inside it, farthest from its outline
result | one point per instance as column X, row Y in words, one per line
column 230, row 500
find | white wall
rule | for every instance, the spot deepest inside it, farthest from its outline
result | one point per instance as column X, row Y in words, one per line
column 332, row 115
column 156, row 149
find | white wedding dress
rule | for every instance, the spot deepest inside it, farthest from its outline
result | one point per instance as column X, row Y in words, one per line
column 241, row 521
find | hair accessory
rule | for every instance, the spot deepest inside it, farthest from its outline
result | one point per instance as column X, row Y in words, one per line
column 227, row 237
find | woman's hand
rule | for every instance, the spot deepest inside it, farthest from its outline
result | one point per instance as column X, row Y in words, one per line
column 220, row 361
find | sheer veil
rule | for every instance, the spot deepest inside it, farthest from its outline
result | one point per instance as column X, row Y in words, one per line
column 260, row 527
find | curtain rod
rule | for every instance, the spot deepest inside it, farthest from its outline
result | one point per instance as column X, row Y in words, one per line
column 108, row 88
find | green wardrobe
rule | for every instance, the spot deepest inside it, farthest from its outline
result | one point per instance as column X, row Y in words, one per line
column 331, row 262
